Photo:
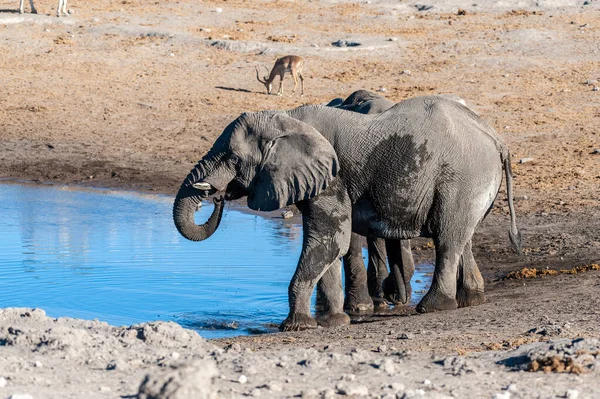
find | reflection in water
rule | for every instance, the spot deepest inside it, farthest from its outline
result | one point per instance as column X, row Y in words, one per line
column 117, row 256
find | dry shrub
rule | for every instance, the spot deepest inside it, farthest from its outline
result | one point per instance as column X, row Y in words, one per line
column 555, row 364
column 283, row 39
column 533, row 272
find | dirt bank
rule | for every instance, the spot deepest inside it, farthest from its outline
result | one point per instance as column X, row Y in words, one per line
column 128, row 94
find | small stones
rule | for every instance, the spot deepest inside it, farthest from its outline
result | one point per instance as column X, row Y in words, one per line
column 218, row 9
column 20, row 396
column 525, row 160
column 502, row 395
column 348, row 377
column 242, row 379
column 2, row 382
column 274, row 386
column 382, row 89
column 406, row 336
column 255, row 392
column 387, row 365
column 572, row 394
column 512, row 388
column 423, row 7
column 382, row 348
column 596, row 151
column 345, row 43
column 596, row 88
column 352, row 389
column 406, row 72
column 287, row 214
column 38, row 364
column 392, row 39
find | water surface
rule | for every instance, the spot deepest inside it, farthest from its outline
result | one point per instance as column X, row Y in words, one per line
column 116, row 256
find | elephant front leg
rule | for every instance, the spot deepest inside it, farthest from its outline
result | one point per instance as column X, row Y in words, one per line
column 326, row 225
column 470, row 290
column 358, row 301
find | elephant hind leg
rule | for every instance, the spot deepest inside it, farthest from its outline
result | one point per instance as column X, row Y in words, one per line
column 377, row 271
column 470, row 290
column 358, row 301
column 397, row 286
column 442, row 294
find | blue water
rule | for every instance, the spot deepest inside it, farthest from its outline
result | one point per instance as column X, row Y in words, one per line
column 116, row 256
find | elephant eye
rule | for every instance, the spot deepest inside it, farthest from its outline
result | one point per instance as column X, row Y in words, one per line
column 234, row 159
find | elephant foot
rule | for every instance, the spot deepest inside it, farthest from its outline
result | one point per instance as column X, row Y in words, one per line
column 432, row 302
column 380, row 304
column 298, row 322
column 334, row 320
column 358, row 306
column 466, row 297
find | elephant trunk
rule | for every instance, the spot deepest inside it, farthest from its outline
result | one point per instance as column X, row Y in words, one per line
column 184, row 207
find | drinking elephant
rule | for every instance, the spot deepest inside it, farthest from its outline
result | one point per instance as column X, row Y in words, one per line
column 427, row 167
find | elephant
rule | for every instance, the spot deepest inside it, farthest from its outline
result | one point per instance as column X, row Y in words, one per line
column 381, row 287
column 427, row 167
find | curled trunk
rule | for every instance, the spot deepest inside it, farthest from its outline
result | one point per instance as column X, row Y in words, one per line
column 183, row 216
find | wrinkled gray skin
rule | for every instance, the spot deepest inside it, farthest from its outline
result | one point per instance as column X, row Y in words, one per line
column 376, row 285
column 427, row 167
column 381, row 286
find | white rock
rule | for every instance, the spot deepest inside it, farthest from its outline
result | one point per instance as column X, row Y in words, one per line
column 175, row 355
column 20, row 396
column 406, row 72
column 525, row 160
column 38, row 364
column 388, row 366
column 397, row 387
column 218, row 9
column 242, row 379
column 572, row 394
column 352, row 389
column 2, row 382
column 274, row 386
column 502, row 395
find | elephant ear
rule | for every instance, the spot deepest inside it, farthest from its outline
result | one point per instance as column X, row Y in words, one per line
column 297, row 165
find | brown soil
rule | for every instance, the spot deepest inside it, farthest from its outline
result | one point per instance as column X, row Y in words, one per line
column 131, row 94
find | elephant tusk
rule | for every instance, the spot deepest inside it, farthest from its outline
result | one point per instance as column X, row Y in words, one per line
column 202, row 186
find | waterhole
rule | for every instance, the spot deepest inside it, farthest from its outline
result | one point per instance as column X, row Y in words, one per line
column 117, row 257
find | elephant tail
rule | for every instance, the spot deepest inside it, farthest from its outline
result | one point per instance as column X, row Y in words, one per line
column 514, row 234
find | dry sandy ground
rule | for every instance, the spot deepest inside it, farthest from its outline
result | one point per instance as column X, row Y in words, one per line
column 131, row 94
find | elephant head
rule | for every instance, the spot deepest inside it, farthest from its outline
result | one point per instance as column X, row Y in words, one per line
column 268, row 157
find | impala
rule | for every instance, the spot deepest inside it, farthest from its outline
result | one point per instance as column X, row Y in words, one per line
column 62, row 7
column 289, row 63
